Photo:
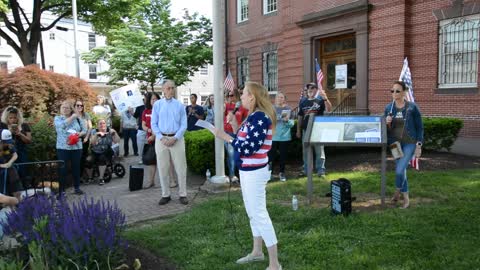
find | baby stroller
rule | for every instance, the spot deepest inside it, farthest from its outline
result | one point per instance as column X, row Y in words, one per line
column 113, row 166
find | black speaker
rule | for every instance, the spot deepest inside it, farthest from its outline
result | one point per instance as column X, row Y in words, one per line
column 136, row 178
column 341, row 200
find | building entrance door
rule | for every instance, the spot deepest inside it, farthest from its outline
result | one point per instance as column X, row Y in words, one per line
column 335, row 51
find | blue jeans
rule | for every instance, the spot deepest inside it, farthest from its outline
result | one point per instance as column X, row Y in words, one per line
column 319, row 158
column 130, row 133
column 401, row 165
column 74, row 156
column 230, row 159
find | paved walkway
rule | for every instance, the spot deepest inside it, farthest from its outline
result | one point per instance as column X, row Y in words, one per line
column 142, row 204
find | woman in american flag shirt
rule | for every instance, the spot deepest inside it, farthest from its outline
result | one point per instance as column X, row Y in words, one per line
column 252, row 142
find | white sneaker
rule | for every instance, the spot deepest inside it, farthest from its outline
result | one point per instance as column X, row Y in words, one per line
column 282, row 177
column 234, row 178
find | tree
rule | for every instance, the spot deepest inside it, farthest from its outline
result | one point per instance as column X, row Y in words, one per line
column 24, row 29
column 37, row 91
column 156, row 46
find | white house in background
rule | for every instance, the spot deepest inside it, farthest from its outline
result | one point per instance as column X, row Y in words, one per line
column 59, row 51
column 201, row 84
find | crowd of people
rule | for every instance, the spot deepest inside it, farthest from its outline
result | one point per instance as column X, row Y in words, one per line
column 256, row 132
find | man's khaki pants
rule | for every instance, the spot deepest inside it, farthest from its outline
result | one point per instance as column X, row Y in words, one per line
column 177, row 152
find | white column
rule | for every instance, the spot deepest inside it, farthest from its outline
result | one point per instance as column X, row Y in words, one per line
column 77, row 61
column 218, row 60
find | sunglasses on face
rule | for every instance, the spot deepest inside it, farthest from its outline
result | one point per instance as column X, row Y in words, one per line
column 395, row 91
column 79, row 105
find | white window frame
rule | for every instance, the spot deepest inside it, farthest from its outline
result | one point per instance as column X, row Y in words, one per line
column 92, row 41
column 92, row 74
column 269, row 6
column 269, row 71
column 242, row 11
column 203, row 71
column 451, row 52
column 243, row 70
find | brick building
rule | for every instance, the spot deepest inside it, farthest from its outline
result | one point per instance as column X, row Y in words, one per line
column 276, row 42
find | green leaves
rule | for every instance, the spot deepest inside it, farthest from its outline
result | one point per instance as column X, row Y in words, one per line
column 156, row 46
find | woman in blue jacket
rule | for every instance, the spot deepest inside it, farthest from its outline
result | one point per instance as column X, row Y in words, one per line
column 404, row 124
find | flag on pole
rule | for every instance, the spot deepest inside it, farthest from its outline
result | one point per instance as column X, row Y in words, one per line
column 319, row 73
column 229, row 84
column 406, row 77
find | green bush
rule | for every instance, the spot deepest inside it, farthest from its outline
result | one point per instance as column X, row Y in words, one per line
column 200, row 151
column 440, row 133
column 44, row 140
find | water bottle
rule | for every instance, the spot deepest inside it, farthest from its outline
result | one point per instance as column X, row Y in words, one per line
column 208, row 174
column 294, row 203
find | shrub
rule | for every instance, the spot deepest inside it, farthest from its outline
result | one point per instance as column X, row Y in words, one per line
column 36, row 91
column 441, row 133
column 44, row 139
column 85, row 233
column 200, row 151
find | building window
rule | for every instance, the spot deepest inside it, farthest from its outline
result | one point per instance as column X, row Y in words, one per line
column 52, row 36
column 269, row 6
column 51, row 68
column 458, row 52
column 185, row 100
column 92, row 42
column 204, row 70
column 92, row 72
column 242, row 10
column 243, row 72
column 270, row 71
column 3, row 66
column 203, row 99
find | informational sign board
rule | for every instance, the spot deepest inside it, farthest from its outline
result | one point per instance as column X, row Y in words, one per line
column 341, row 76
column 126, row 96
column 347, row 129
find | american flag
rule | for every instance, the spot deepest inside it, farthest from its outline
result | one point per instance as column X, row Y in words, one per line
column 319, row 73
column 406, row 77
column 229, row 84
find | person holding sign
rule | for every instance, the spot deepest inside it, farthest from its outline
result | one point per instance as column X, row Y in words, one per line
column 282, row 135
column 251, row 144
column 404, row 128
column 315, row 106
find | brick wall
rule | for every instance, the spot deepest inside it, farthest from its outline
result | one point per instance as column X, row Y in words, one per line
column 397, row 28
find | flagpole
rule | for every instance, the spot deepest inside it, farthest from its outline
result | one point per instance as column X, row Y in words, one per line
column 218, row 59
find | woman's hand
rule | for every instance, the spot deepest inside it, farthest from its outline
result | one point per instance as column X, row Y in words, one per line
column 389, row 120
column 418, row 151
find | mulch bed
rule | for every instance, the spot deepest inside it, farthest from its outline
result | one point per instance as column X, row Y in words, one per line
column 338, row 159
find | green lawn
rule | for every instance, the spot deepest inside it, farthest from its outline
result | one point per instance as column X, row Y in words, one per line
column 441, row 230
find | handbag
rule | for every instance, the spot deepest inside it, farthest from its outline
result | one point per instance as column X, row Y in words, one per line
column 148, row 156
column 396, row 146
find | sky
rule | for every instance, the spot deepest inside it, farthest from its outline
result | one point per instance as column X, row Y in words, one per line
column 203, row 7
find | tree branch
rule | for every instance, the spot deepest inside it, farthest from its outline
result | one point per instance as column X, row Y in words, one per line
column 54, row 22
column 16, row 17
column 53, row 6
column 11, row 42
column 24, row 15
column 8, row 23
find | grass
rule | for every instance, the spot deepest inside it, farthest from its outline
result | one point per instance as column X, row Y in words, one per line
column 442, row 231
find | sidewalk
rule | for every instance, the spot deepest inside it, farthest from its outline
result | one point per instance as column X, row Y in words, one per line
column 142, row 204
column 467, row 146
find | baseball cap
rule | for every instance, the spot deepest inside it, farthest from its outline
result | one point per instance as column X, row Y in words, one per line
column 6, row 136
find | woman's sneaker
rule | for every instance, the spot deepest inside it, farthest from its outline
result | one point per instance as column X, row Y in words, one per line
column 282, row 177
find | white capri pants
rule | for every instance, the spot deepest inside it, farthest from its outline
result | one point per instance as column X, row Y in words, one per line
column 253, row 185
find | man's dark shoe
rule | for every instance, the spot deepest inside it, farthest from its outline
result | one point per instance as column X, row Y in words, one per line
column 164, row 200
column 136, row 154
column 184, row 200
column 78, row 192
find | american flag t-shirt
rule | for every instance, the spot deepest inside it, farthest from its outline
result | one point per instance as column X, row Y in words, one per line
column 253, row 141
